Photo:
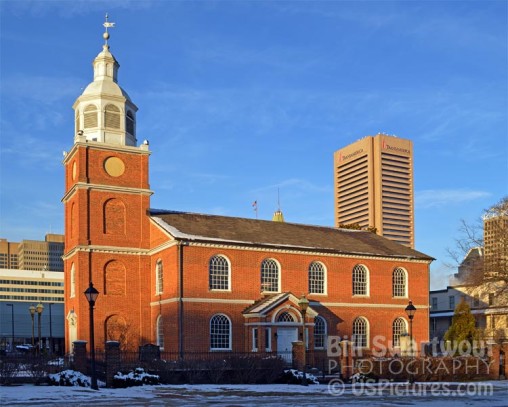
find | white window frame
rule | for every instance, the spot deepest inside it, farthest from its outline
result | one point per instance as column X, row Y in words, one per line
column 355, row 274
column 313, row 281
column 230, row 333
column 72, row 293
column 366, row 325
column 159, row 277
column 401, row 327
column 160, row 332
column 325, row 330
column 211, row 281
column 268, row 339
column 255, row 339
column 277, row 265
column 397, row 285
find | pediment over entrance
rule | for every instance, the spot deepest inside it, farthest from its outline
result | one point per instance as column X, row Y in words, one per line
column 272, row 308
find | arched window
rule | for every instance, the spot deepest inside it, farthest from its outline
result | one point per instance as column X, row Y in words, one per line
column 160, row 332
column 286, row 317
column 218, row 269
column 360, row 332
column 360, row 280
column 73, row 282
column 112, row 117
column 159, row 277
column 129, row 123
column 319, row 333
column 398, row 328
column 269, row 275
column 220, row 332
column 316, row 278
column 399, row 285
column 90, row 117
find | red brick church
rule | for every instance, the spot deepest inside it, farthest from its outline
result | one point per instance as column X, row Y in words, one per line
column 193, row 282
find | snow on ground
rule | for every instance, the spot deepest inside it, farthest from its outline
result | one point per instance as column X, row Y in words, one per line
column 495, row 394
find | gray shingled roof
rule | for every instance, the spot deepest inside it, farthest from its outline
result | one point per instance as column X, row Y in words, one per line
column 262, row 233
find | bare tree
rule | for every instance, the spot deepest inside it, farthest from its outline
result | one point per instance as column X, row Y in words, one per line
column 481, row 250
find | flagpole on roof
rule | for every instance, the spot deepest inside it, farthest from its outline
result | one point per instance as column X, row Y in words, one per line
column 255, row 207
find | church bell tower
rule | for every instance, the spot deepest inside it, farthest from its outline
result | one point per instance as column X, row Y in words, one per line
column 107, row 196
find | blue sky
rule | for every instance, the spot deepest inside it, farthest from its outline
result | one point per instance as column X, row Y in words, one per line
column 239, row 99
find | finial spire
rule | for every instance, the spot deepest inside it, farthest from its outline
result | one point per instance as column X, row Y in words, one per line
column 107, row 25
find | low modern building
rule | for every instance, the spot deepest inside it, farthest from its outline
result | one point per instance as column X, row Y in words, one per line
column 19, row 291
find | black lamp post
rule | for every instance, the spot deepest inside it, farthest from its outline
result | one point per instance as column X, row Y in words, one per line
column 12, row 325
column 410, row 311
column 91, row 295
column 31, row 308
column 50, row 330
column 304, row 304
column 39, row 308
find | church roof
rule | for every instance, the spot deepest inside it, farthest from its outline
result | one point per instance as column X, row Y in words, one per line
column 268, row 234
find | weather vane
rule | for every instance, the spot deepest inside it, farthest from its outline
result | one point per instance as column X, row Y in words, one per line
column 107, row 25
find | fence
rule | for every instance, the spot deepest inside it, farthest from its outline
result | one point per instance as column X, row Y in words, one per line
column 30, row 367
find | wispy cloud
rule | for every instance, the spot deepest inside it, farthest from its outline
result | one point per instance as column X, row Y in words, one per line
column 41, row 89
column 294, row 184
column 434, row 198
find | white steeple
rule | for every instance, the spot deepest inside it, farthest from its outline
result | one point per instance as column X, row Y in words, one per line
column 104, row 111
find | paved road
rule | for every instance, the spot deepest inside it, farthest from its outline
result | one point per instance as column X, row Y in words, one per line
column 273, row 395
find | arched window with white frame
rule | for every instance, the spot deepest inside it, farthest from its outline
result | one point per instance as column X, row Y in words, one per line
column 360, row 280
column 219, row 273
column 159, row 277
column 319, row 332
column 399, row 328
column 360, row 332
column 160, row 332
column 270, row 276
column 399, row 282
column 220, row 332
column 317, row 278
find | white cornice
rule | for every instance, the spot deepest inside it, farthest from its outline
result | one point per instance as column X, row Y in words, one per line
column 306, row 252
column 105, row 188
column 95, row 145
column 134, row 251
column 202, row 300
column 163, row 246
column 362, row 305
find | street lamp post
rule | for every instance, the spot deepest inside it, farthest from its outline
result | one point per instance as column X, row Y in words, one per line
column 410, row 311
column 91, row 295
column 39, row 308
column 304, row 304
column 31, row 308
column 50, row 330
column 12, row 325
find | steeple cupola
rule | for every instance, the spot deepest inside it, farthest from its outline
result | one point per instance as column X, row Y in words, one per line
column 104, row 111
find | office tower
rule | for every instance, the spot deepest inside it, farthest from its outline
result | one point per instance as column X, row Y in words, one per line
column 8, row 254
column 374, row 186
column 33, row 254
column 495, row 240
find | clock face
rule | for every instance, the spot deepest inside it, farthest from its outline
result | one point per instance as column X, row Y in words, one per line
column 74, row 170
column 114, row 166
